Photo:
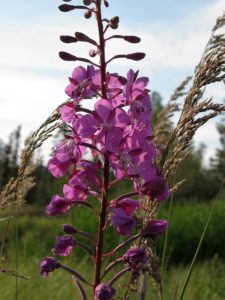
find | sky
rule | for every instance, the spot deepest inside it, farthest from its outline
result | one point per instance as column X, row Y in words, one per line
column 33, row 78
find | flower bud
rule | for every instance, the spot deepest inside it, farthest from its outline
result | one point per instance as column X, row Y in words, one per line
column 155, row 227
column 81, row 37
column 104, row 292
column 88, row 14
column 87, row 2
column 66, row 7
column 66, row 0
column 136, row 56
column 93, row 53
column 106, row 3
column 114, row 22
column 69, row 229
column 67, row 56
column 132, row 39
column 68, row 39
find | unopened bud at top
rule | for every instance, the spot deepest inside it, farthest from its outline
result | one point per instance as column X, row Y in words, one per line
column 68, row 39
column 106, row 3
column 136, row 56
column 88, row 14
column 132, row 39
column 87, row 2
column 93, row 53
column 66, row 7
column 67, row 56
column 114, row 22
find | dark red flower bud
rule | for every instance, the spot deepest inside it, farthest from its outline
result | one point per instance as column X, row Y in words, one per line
column 81, row 37
column 66, row 0
column 67, row 56
column 67, row 39
column 136, row 56
column 114, row 22
column 66, row 7
column 132, row 39
column 106, row 3
column 87, row 2
column 88, row 14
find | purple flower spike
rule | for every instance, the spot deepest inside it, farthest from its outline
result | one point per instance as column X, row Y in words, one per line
column 156, row 227
column 58, row 206
column 123, row 223
column 135, row 256
column 64, row 245
column 104, row 292
column 48, row 264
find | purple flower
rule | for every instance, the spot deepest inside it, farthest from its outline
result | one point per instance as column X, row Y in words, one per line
column 69, row 229
column 105, row 125
column 156, row 187
column 67, row 112
column 135, row 87
column 128, row 205
column 58, row 206
column 104, row 292
column 48, row 264
column 57, row 168
column 81, row 83
column 88, row 173
column 64, row 245
column 135, row 256
column 76, row 191
column 123, row 222
column 155, row 227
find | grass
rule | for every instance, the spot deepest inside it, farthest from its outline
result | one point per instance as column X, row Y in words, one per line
column 37, row 232
column 207, row 282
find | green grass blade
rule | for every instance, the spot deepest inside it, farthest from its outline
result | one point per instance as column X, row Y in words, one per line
column 199, row 245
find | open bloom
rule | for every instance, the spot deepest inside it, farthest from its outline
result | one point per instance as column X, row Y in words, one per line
column 64, row 245
column 104, row 292
column 123, row 222
column 105, row 125
column 128, row 205
column 81, row 85
column 48, row 264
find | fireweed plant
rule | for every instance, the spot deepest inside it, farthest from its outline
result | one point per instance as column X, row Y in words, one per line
column 117, row 134
column 115, row 142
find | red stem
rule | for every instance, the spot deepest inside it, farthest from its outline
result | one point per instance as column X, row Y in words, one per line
column 102, row 217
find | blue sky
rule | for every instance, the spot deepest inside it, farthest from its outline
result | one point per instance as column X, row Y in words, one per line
column 33, row 78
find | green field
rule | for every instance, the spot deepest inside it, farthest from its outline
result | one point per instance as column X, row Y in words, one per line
column 36, row 236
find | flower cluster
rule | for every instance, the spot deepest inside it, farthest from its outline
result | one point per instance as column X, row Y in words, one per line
column 118, row 128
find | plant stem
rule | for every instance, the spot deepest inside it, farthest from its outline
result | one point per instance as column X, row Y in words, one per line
column 102, row 217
